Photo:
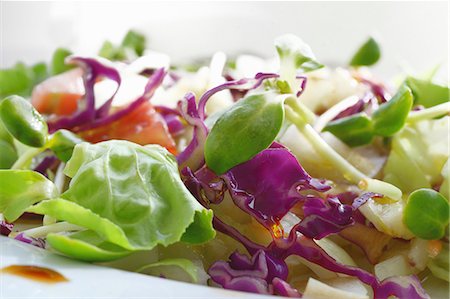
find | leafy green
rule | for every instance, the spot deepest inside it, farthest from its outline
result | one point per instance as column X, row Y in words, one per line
column 354, row 130
column 427, row 93
column 245, row 129
column 174, row 268
column 133, row 45
column 15, row 80
column 135, row 41
column 79, row 247
column 137, row 188
column 19, row 189
column 390, row 117
column 71, row 212
column 58, row 64
column 368, row 54
column 23, row 121
column 418, row 154
column 295, row 55
column 62, row 143
column 8, row 154
column 427, row 214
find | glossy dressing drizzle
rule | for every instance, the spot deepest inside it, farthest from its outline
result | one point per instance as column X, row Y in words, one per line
column 35, row 273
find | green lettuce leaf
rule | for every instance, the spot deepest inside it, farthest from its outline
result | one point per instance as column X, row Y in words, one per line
column 19, row 189
column 137, row 188
column 418, row 154
column 175, row 268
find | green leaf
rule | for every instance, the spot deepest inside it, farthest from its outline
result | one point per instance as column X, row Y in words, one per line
column 62, row 143
column 135, row 41
column 19, row 189
column 201, row 230
column 4, row 134
column 74, row 213
column 174, row 268
column 295, row 55
column 40, row 72
column 8, row 155
column 23, row 121
column 391, row 116
column 132, row 45
column 138, row 188
column 58, row 64
column 76, row 247
column 368, row 54
column 15, row 80
column 427, row 93
column 245, row 129
column 427, row 214
column 354, row 130
column 418, row 154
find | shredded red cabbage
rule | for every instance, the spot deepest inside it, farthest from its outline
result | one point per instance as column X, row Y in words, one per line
column 262, row 274
column 5, row 228
column 46, row 164
column 93, row 71
column 153, row 83
column 38, row 242
column 193, row 155
column 268, row 185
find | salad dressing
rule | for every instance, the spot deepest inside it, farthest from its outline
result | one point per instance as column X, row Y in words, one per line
column 36, row 273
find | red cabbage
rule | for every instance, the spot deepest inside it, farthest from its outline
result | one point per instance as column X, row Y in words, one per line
column 193, row 155
column 260, row 275
column 45, row 164
column 172, row 119
column 153, row 83
column 93, row 70
column 268, row 185
column 38, row 242
column 5, row 228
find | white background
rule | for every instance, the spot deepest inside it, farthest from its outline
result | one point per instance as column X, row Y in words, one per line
column 414, row 35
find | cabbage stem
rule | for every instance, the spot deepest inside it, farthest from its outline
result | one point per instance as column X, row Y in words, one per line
column 299, row 118
column 429, row 113
column 42, row 231
column 25, row 159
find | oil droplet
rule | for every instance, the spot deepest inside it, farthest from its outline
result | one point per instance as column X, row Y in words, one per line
column 35, row 273
column 277, row 230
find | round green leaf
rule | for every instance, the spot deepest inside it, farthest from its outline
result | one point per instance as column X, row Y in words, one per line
column 390, row 117
column 247, row 128
column 354, row 130
column 426, row 214
column 23, row 121
column 368, row 54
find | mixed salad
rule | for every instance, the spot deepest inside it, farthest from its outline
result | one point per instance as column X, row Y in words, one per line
column 275, row 176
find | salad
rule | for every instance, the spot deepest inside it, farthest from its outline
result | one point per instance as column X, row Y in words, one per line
column 275, row 176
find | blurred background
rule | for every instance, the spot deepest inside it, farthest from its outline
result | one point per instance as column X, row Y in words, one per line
column 414, row 35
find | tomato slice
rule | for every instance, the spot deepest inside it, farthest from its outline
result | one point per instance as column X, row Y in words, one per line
column 143, row 125
column 60, row 94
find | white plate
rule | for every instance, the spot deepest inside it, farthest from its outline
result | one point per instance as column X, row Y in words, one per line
column 91, row 281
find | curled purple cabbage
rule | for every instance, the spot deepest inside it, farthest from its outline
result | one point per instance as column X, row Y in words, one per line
column 93, row 70
column 46, row 164
column 262, row 274
column 38, row 242
column 193, row 155
column 324, row 217
column 153, row 83
column 172, row 119
column 268, row 185
column 5, row 228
